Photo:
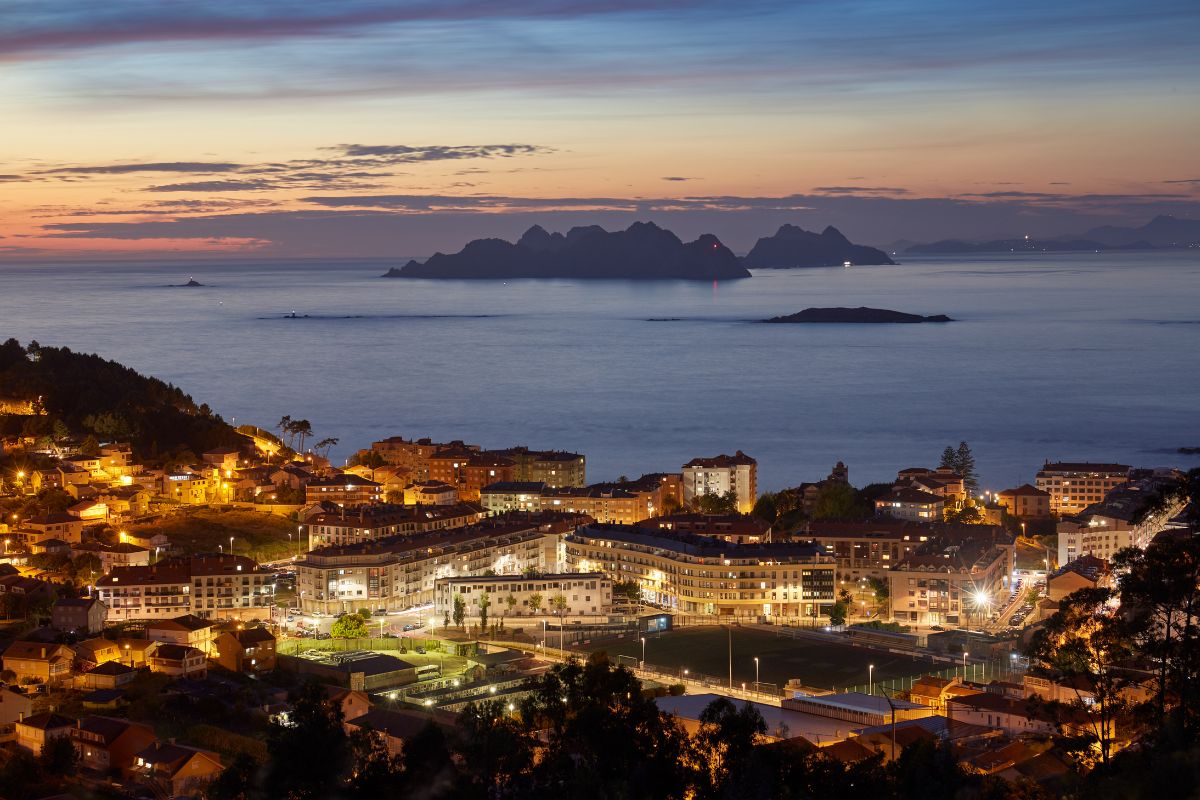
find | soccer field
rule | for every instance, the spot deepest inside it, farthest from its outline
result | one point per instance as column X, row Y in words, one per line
column 705, row 650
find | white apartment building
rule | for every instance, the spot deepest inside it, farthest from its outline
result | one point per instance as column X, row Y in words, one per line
column 583, row 594
column 1073, row 486
column 720, row 475
column 209, row 586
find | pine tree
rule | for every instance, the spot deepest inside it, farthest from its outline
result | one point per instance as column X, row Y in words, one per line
column 949, row 459
column 965, row 466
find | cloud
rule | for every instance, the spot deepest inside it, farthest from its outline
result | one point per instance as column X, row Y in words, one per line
column 125, row 169
column 677, row 178
column 1192, row 181
column 859, row 190
column 403, row 154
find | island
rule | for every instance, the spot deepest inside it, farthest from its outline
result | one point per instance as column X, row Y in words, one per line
column 856, row 315
column 792, row 247
column 643, row 251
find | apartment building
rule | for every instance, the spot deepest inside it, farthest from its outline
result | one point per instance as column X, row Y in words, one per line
column 346, row 489
column 414, row 453
column 705, row 575
column 720, row 475
column 953, row 580
column 398, row 572
column 733, row 528
column 556, row 469
column 1073, row 486
column 1127, row 516
column 623, row 503
column 366, row 523
column 210, row 586
column 582, row 594
column 913, row 505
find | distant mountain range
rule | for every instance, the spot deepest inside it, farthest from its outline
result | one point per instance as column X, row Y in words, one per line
column 643, row 251
column 1160, row 232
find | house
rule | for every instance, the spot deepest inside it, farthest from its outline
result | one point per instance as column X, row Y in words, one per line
column 181, row 770
column 92, row 652
column 246, row 650
column 33, row 732
column 179, row 661
column 39, row 662
column 394, row 728
column 52, row 547
column 109, row 675
column 123, row 554
column 27, row 590
column 89, row 510
column 108, row 744
column 14, row 707
column 103, row 699
column 1085, row 572
column 67, row 527
column 188, row 630
column 352, row 702
column 137, row 652
column 1025, row 502
column 78, row 615
column 932, row 691
column 911, row 504
column 1017, row 717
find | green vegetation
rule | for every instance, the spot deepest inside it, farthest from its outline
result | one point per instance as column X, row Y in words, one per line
column 86, row 394
column 962, row 461
column 712, row 503
column 351, row 626
column 263, row 537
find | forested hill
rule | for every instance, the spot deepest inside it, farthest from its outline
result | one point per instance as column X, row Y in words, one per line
column 90, row 395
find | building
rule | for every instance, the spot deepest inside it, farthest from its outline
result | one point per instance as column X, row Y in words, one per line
column 210, row 586
column 249, row 650
column 187, row 630
column 468, row 471
column 394, row 727
column 951, row 579
column 430, row 493
column 14, row 707
column 857, row 708
column 84, row 615
column 397, row 572
column 109, row 675
column 932, row 691
column 1025, row 502
column 182, row 771
column 943, row 481
column 414, row 454
column 505, row 496
column 703, row 575
column 97, row 650
column 178, row 661
column 346, row 489
column 720, row 475
column 582, row 594
column 39, row 662
column 1073, row 486
column 1016, row 717
column 554, row 468
column 734, row 528
column 67, row 527
column 1085, row 572
column 33, row 732
column 349, row 526
column 911, row 504
column 871, row 548
column 110, row 745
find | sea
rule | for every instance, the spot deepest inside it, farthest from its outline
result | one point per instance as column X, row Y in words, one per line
column 1080, row 357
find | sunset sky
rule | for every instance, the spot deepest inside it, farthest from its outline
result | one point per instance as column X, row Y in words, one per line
column 359, row 128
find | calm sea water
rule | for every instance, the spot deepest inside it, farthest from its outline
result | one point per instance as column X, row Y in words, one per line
column 1079, row 357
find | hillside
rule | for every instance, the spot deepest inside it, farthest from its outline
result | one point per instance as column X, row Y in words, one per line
column 643, row 251
column 792, row 246
column 93, row 396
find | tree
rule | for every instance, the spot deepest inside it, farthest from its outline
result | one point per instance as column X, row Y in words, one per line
column 460, row 610
column 236, row 782
column 301, row 428
column 949, row 459
column 510, row 601
column 285, row 428
column 59, row 757
column 535, row 602
column 351, row 626
column 837, row 613
column 724, row 744
column 1085, row 646
column 484, row 603
column 764, row 508
column 559, row 603
column 712, row 503
column 628, row 590
column 837, row 500
column 310, row 757
column 322, row 447
column 965, row 462
column 395, row 497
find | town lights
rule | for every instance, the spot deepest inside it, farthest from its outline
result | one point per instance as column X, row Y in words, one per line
column 981, row 598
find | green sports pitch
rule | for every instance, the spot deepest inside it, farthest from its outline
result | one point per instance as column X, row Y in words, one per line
column 816, row 663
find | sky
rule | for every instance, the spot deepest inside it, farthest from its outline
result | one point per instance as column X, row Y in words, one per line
column 285, row 128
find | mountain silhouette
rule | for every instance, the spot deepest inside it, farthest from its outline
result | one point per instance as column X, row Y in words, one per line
column 643, row 251
column 795, row 247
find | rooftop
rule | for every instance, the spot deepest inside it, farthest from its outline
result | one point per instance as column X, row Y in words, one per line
column 738, row 459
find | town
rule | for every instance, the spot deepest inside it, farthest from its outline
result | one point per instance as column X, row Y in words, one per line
column 170, row 627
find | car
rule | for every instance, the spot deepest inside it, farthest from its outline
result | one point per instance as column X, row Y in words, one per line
column 421, row 649
column 380, row 612
column 410, row 627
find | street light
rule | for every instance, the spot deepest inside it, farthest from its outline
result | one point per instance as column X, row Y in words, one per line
column 643, row 664
column 965, row 654
column 871, row 677
column 757, row 687
column 230, row 545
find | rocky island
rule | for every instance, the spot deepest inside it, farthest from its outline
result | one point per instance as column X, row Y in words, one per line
column 856, row 315
column 792, row 246
column 643, row 251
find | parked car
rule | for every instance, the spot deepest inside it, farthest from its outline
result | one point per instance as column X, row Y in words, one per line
column 421, row 649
